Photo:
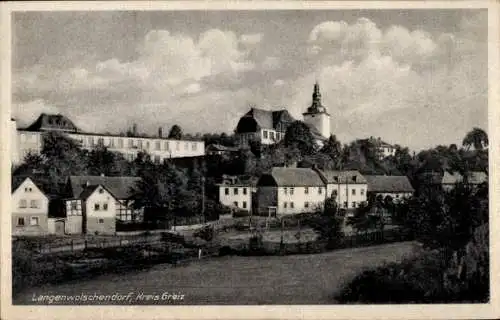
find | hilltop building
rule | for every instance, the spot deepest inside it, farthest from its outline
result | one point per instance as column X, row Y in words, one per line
column 269, row 127
column 30, row 140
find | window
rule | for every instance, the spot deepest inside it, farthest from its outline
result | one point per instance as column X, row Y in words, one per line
column 264, row 134
column 158, row 145
column 120, row 143
column 167, row 146
column 139, row 144
column 73, row 205
column 306, row 204
column 235, row 204
column 285, row 190
column 320, row 190
column 101, row 190
column 226, row 191
column 291, row 205
column 193, row 146
column 33, row 204
column 20, row 221
column 306, row 190
column 147, row 145
column 291, row 190
column 100, row 221
column 177, row 146
column 345, row 204
column 105, row 207
column 186, row 146
column 111, row 142
column 244, row 191
column 157, row 159
column 362, row 192
column 244, row 205
column 271, row 134
column 23, row 203
column 96, row 207
column 397, row 195
column 34, row 221
column 354, row 204
column 353, row 192
column 130, row 143
column 284, row 205
column 235, row 191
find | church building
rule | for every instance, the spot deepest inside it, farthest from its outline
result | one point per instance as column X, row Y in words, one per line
column 269, row 127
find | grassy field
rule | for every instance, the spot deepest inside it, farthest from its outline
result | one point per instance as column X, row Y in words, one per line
column 299, row 279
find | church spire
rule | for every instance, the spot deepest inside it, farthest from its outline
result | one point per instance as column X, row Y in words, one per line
column 316, row 106
column 316, row 95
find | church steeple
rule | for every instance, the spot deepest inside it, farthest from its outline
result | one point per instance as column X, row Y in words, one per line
column 316, row 106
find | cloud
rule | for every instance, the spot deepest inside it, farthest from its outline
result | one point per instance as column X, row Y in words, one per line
column 251, row 39
column 393, row 81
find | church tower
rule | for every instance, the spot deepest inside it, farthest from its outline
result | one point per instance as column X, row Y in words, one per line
column 316, row 115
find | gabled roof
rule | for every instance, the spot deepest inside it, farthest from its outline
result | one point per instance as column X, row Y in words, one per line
column 219, row 147
column 49, row 122
column 475, row 177
column 268, row 119
column 349, row 176
column 16, row 183
column 388, row 184
column 296, row 177
column 90, row 189
column 242, row 180
column 121, row 187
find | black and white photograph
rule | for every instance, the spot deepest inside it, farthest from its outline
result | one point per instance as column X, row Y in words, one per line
column 212, row 157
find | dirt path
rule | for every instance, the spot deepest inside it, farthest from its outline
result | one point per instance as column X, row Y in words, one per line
column 299, row 279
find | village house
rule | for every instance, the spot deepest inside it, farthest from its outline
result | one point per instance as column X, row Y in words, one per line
column 474, row 178
column 383, row 149
column 349, row 187
column 237, row 192
column 289, row 191
column 269, row 127
column 30, row 140
column 396, row 187
column 30, row 209
column 217, row 149
column 121, row 189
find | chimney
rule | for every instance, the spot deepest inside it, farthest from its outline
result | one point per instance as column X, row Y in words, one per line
column 160, row 132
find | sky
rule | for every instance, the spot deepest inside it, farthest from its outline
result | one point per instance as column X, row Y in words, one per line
column 413, row 77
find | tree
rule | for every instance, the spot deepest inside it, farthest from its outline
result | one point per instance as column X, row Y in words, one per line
column 327, row 223
column 333, row 148
column 361, row 220
column 298, row 135
column 175, row 132
column 101, row 161
column 476, row 138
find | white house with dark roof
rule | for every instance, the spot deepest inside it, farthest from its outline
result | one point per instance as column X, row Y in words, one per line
column 237, row 192
column 474, row 178
column 285, row 191
column 269, row 126
column 122, row 188
column 29, row 209
column 30, row 140
column 397, row 187
column 349, row 187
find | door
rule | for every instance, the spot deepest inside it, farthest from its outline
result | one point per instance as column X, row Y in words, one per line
column 272, row 212
column 59, row 226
